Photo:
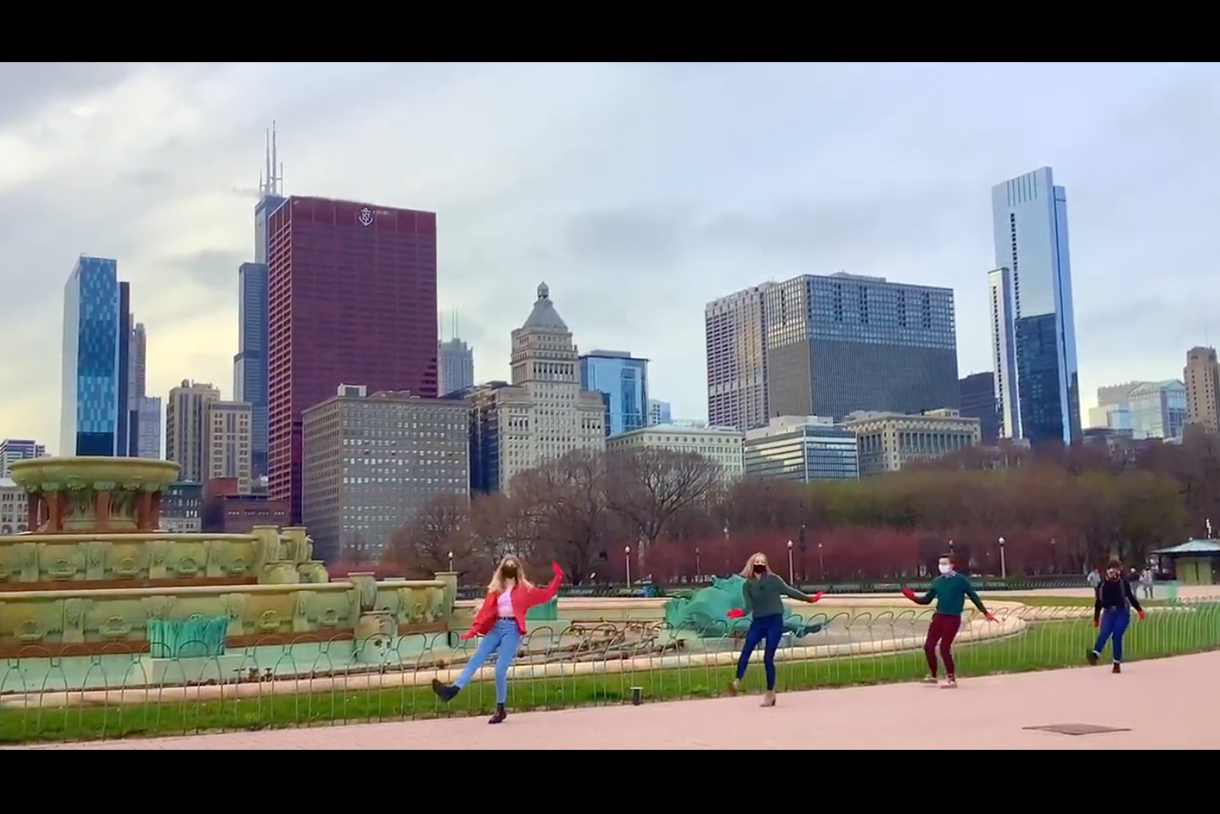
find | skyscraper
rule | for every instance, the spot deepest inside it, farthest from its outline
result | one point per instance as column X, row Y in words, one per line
column 125, row 440
column 978, row 401
column 1033, row 326
column 845, row 343
column 227, row 443
column 1202, row 374
column 92, row 373
column 186, row 428
column 250, row 363
column 544, row 414
column 622, row 381
column 736, row 332
column 352, row 298
column 16, row 449
column 456, row 366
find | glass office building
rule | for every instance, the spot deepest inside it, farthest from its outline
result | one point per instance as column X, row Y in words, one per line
column 842, row 343
column 801, row 449
column 1035, row 339
column 250, row 362
column 92, row 377
column 622, row 381
column 1147, row 409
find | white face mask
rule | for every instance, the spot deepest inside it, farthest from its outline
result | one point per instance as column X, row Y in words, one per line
column 944, row 569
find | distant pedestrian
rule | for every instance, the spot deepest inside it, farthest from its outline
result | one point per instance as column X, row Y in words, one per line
column 763, row 595
column 949, row 590
column 1148, row 578
column 1094, row 578
column 501, row 623
column 1112, row 615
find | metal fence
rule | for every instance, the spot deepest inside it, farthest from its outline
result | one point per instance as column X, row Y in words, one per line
column 314, row 682
column 643, row 588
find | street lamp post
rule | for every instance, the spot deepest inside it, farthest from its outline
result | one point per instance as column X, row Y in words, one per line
column 791, row 572
column 450, row 561
column 1054, row 559
column 821, row 565
column 1003, row 563
column 698, row 565
column 627, row 560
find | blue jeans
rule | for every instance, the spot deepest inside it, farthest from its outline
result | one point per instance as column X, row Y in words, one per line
column 1113, row 625
column 504, row 640
column 770, row 628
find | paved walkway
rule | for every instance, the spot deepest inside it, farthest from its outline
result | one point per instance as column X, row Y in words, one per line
column 1166, row 704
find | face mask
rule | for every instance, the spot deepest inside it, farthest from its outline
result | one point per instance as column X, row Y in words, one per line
column 509, row 571
column 945, row 569
column 759, row 568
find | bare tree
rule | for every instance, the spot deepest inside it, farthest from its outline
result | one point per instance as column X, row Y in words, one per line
column 648, row 487
column 441, row 528
column 568, row 496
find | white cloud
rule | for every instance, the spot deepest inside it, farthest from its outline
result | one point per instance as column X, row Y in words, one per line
column 637, row 192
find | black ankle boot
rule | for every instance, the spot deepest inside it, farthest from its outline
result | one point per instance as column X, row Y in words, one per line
column 445, row 692
column 500, row 715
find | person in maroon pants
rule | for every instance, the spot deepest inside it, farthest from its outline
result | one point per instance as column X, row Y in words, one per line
column 950, row 590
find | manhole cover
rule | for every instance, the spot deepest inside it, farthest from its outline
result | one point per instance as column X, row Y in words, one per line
column 1077, row 729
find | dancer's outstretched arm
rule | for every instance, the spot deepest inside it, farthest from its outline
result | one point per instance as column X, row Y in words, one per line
column 792, row 593
column 926, row 599
column 541, row 595
column 978, row 602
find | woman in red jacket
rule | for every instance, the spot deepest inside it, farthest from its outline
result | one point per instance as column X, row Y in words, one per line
column 501, row 622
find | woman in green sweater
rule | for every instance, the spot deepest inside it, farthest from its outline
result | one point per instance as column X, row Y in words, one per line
column 764, row 593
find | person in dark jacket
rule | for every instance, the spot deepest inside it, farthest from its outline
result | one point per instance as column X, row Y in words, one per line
column 1112, row 614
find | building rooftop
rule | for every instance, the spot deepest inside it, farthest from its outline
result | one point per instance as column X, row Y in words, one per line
column 544, row 316
column 1207, row 547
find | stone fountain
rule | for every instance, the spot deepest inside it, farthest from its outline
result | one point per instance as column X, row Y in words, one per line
column 96, row 580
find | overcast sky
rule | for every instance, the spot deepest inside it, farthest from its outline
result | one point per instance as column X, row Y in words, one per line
column 637, row 192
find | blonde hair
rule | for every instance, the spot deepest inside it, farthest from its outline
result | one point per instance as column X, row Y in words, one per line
column 498, row 580
column 748, row 571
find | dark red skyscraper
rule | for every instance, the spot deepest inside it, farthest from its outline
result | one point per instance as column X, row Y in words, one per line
column 351, row 300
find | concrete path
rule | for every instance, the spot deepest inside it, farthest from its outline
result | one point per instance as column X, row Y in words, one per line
column 1165, row 704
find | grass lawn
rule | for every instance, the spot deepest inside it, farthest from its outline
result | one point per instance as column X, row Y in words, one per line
column 1067, row 601
column 1044, row 645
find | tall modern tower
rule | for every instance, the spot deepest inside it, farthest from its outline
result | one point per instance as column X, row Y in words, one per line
column 352, row 299
column 1033, row 325
column 250, row 362
column 92, row 373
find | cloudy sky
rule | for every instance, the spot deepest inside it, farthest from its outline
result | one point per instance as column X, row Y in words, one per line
column 637, row 192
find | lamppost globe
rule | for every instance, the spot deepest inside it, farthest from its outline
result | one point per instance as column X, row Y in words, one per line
column 789, row 545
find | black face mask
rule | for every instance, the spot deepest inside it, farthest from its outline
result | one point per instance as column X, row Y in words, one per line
column 509, row 571
column 760, row 569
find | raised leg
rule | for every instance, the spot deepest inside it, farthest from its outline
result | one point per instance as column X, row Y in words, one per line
column 489, row 645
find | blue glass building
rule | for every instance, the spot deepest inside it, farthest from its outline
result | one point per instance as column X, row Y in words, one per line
column 250, row 362
column 92, row 376
column 623, row 382
column 1033, row 325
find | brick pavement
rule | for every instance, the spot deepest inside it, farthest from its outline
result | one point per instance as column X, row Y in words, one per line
column 1161, row 702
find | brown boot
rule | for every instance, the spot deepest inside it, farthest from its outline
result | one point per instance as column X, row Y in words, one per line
column 769, row 698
